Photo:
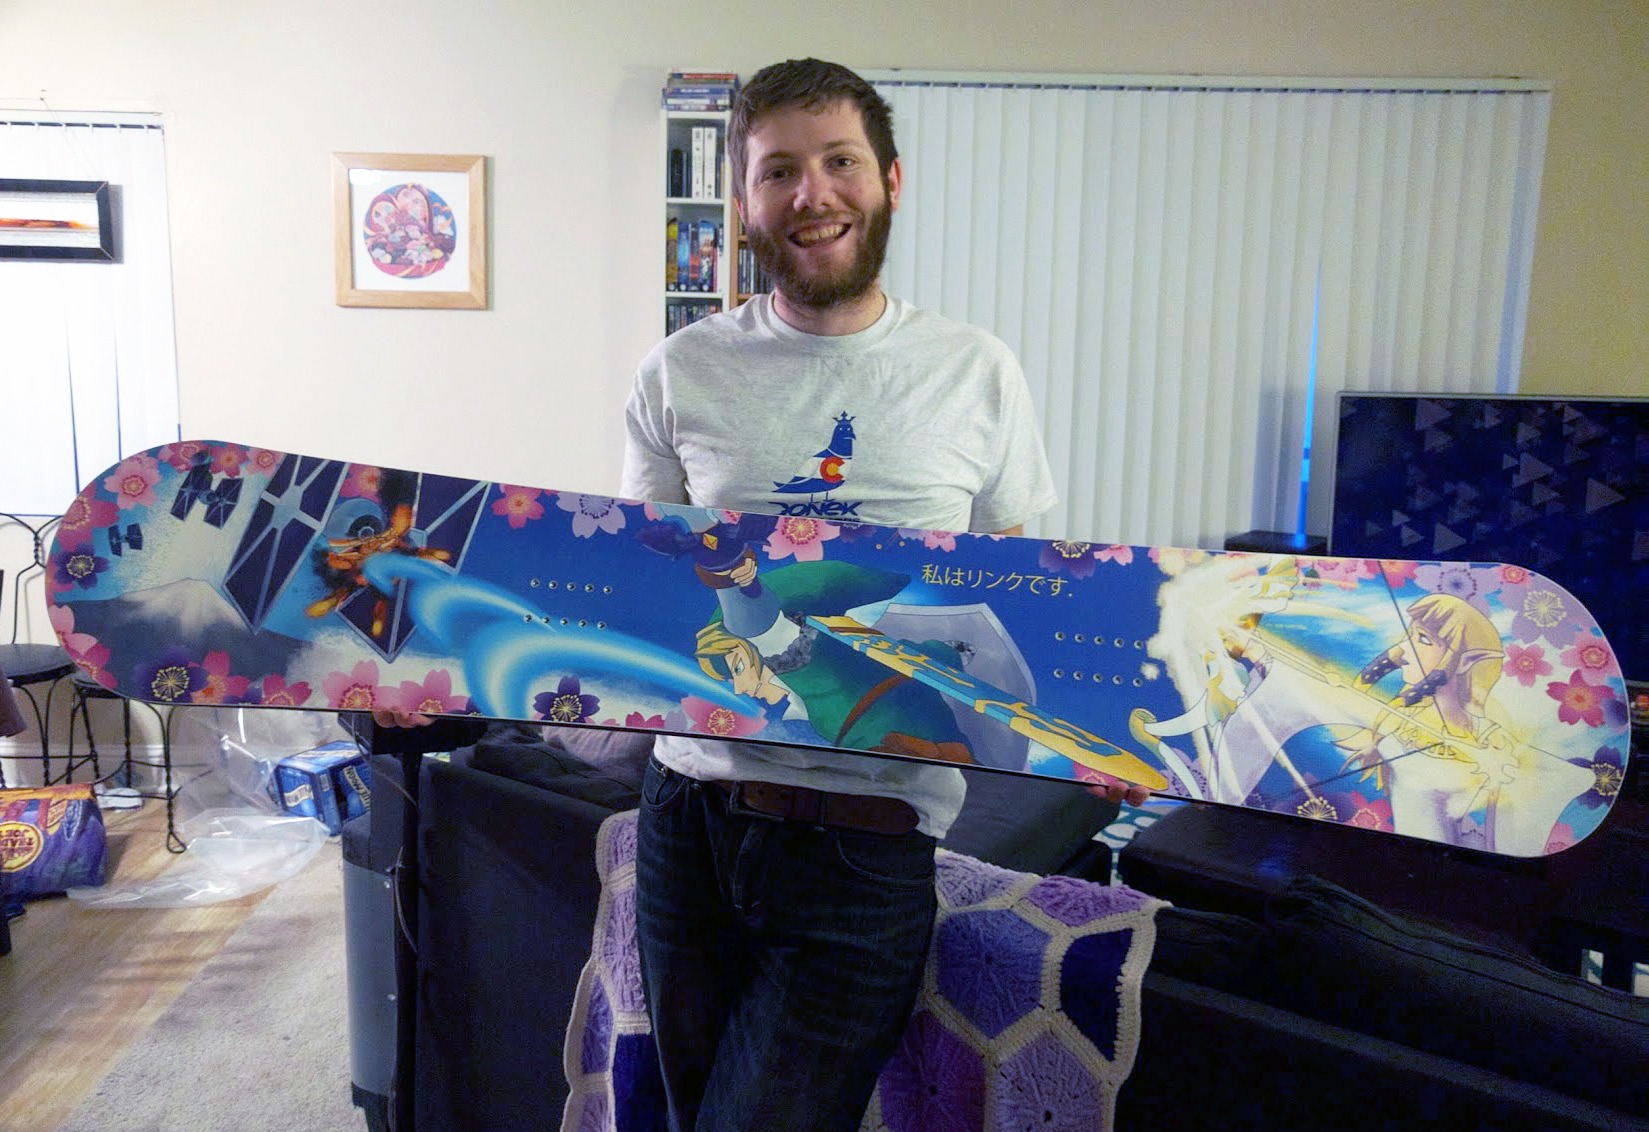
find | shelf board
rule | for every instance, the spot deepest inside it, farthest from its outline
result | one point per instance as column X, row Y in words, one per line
column 707, row 202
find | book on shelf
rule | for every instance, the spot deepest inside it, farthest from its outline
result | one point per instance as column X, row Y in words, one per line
column 709, row 240
column 698, row 92
column 702, row 91
column 690, row 282
column 677, row 186
column 720, row 81
column 692, row 254
column 696, row 182
column 680, row 314
column 684, row 241
column 704, row 162
column 672, row 239
column 752, row 279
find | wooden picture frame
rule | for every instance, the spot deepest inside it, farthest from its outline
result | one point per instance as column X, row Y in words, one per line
column 410, row 230
column 56, row 220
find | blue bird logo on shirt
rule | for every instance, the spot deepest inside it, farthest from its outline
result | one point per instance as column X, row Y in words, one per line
column 825, row 471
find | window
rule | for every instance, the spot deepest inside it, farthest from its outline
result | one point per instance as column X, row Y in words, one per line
column 1190, row 270
column 88, row 364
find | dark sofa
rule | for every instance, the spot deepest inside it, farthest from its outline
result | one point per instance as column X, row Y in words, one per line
column 497, row 912
column 1329, row 1012
column 1317, row 1010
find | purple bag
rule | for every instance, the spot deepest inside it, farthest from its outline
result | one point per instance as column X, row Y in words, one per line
column 51, row 839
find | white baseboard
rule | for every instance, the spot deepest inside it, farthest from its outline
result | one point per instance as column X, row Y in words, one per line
column 20, row 762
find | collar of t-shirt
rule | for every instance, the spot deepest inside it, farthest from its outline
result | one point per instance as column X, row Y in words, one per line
column 854, row 343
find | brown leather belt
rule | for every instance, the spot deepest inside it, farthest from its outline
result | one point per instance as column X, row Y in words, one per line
column 867, row 813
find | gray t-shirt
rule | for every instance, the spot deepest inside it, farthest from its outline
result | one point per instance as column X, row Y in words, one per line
column 918, row 421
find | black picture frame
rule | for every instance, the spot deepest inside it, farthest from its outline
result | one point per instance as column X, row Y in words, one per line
column 56, row 220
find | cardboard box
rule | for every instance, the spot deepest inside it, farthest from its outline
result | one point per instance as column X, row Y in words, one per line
column 331, row 783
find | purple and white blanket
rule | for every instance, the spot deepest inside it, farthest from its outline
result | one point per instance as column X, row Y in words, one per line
column 1028, row 1017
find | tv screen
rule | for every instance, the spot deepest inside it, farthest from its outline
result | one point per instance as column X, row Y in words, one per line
column 1553, row 484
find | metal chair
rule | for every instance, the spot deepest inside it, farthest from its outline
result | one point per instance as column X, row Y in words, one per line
column 86, row 690
column 26, row 665
column 11, row 723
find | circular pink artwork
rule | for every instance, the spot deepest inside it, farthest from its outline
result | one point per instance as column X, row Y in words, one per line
column 409, row 231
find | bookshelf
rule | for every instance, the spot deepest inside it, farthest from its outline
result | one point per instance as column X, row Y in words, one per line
column 700, row 222
column 749, row 280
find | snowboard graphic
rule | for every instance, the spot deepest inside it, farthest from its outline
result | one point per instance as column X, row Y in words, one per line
column 1474, row 704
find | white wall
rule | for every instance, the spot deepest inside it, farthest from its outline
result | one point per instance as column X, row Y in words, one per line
column 562, row 97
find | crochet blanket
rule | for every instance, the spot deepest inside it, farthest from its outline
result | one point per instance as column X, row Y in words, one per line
column 1028, row 1017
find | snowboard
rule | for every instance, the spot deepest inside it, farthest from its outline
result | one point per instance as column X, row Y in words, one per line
column 1472, row 704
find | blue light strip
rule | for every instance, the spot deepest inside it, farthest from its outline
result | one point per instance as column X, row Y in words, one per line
column 1310, row 406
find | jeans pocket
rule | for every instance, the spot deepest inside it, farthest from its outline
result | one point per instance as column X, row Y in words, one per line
column 904, row 861
column 661, row 787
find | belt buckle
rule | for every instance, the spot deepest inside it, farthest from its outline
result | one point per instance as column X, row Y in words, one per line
column 737, row 806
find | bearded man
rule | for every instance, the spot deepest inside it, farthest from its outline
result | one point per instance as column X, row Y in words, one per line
column 785, row 897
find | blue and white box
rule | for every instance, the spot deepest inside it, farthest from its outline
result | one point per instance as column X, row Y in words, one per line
column 330, row 783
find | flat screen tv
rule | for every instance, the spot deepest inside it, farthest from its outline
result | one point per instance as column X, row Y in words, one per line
column 1556, row 484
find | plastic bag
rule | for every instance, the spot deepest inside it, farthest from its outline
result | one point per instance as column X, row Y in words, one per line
column 238, row 840
column 225, row 757
column 231, row 853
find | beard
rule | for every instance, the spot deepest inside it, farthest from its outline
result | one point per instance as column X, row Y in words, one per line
column 781, row 260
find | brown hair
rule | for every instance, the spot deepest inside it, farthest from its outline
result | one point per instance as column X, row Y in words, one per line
column 811, row 84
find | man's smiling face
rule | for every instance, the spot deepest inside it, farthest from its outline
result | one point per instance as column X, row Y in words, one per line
column 816, row 205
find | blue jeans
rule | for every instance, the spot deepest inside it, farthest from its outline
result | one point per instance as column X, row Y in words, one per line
column 780, row 961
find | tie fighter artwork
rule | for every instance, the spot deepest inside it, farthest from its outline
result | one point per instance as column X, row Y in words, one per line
column 216, row 496
column 310, row 517
column 123, row 539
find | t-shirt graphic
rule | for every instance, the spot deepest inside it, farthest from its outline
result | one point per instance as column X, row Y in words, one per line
column 821, row 474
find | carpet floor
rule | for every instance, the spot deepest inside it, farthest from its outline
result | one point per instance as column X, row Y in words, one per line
column 259, row 1040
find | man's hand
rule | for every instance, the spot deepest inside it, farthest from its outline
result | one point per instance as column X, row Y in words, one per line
column 396, row 717
column 1116, row 790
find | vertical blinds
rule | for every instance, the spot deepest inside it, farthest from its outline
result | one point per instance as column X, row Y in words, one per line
column 1190, row 270
column 88, row 367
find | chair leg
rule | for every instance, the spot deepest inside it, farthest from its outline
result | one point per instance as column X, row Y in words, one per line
column 40, row 726
column 126, row 773
column 129, row 762
column 45, row 739
column 82, row 704
column 91, row 740
column 79, row 708
column 126, row 728
column 174, row 843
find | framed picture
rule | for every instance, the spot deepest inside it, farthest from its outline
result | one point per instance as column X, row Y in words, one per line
column 56, row 220
column 411, row 230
